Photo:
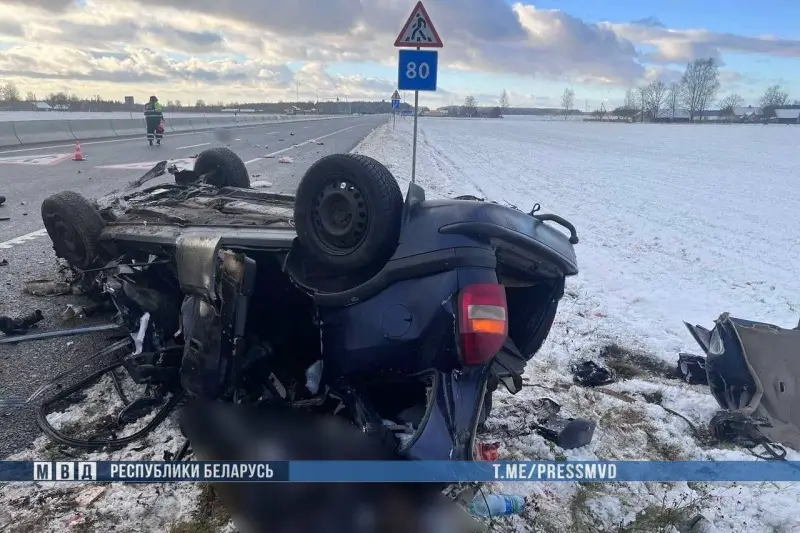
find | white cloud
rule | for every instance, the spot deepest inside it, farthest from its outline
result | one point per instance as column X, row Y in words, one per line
column 241, row 47
column 681, row 46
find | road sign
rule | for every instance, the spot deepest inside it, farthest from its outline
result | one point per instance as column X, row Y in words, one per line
column 396, row 95
column 419, row 31
column 417, row 70
column 395, row 104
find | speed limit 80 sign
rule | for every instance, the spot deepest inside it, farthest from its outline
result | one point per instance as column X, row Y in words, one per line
column 417, row 70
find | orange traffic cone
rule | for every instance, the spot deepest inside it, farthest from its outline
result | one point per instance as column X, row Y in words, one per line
column 78, row 153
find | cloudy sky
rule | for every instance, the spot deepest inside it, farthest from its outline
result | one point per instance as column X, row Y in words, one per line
column 245, row 50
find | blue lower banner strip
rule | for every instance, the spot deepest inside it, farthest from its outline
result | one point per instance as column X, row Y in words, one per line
column 398, row 471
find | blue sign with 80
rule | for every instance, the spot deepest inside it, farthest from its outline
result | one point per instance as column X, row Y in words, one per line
column 417, row 70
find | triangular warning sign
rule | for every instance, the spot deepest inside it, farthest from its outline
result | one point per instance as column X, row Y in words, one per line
column 419, row 31
column 396, row 95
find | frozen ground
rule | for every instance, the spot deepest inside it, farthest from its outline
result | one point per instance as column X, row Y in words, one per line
column 11, row 116
column 675, row 223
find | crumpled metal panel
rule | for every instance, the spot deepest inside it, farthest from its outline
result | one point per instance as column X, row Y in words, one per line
column 196, row 258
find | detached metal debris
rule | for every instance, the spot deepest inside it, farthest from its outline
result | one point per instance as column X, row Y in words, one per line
column 751, row 368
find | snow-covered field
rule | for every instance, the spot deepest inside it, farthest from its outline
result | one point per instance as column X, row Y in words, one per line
column 676, row 222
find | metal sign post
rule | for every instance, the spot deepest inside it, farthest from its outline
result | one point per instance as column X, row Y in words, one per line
column 417, row 69
column 395, row 107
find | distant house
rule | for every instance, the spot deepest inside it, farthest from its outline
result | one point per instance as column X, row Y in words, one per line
column 788, row 116
column 710, row 114
column 677, row 115
column 41, row 106
column 747, row 114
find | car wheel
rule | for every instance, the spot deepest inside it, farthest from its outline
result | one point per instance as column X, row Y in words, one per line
column 74, row 225
column 348, row 212
column 229, row 169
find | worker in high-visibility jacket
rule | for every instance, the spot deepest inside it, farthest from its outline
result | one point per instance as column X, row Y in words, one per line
column 154, row 116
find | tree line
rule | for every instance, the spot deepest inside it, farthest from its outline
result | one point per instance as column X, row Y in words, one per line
column 11, row 99
column 696, row 93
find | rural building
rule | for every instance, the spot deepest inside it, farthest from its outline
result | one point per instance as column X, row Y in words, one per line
column 787, row 116
column 41, row 106
column 747, row 114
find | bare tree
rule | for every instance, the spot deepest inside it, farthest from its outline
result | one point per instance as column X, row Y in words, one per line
column 774, row 97
column 9, row 92
column 178, row 104
column 728, row 103
column 642, row 101
column 470, row 101
column 655, row 97
column 672, row 99
column 200, row 103
column 567, row 99
column 630, row 106
column 504, row 103
column 700, row 84
column 30, row 97
column 631, row 100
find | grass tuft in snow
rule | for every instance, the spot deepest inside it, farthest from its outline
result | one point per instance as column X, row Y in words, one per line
column 209, row 517
column 629, row 364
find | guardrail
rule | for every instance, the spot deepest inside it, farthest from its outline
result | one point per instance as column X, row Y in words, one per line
column 44, row 131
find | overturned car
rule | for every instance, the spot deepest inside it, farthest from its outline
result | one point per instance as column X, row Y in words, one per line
column 401, row 315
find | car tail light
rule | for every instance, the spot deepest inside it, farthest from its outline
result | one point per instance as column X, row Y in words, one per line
column 483, row 322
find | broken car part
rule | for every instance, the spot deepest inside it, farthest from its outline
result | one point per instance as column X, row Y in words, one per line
column 19, row 325
column 568, row 433
column 751, row 367
column 591, row 374
column 692, row 368
column 62, row 333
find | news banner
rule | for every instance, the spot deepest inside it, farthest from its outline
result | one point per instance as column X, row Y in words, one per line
column 395, row 471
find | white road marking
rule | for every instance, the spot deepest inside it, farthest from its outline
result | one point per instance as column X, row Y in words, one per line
column 147, row 165
column 193, row 146
column 48, row 159
column 296, row 146
column 22, row 239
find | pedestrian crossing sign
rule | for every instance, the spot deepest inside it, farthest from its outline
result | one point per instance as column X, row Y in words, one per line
column 419, row 31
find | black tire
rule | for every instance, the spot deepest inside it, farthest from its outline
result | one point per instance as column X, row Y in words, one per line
column 230, row 169
column 74, row 225
column 351, row 227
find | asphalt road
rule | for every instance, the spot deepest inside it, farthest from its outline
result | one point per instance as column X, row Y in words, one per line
column 25, row 181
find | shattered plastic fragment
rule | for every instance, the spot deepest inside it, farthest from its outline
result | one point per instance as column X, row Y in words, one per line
column 590, row 374
column 285, row 160
column 486, row 452
column 73, row 311
column 314, row 376
column 261, row 183
column 692, row 368
column 139, row 338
